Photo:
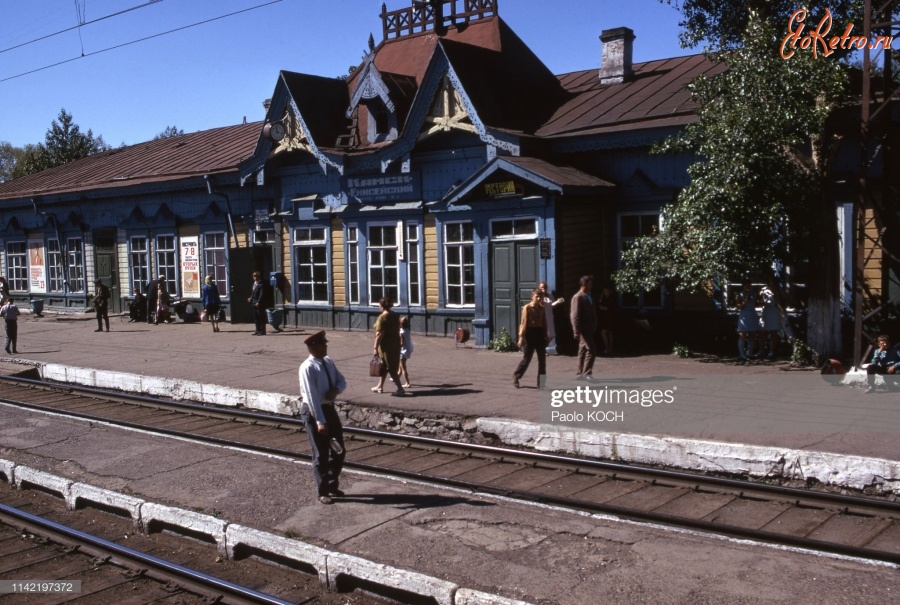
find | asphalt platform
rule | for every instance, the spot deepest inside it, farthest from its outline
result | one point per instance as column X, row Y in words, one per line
column 517, row 551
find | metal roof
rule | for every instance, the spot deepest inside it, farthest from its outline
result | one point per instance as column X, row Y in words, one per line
column 214, row 151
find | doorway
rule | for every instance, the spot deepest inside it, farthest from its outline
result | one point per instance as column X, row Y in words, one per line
column 242, row 262
column 105, row 263
column 515, row 274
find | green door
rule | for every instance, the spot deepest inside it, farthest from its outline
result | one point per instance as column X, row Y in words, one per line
column 105, row 269
column 515, row 274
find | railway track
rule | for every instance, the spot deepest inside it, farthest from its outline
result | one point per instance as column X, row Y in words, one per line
column 53, row 563
column 819, row 521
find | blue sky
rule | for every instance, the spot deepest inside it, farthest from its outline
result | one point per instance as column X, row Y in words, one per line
column 217, row 73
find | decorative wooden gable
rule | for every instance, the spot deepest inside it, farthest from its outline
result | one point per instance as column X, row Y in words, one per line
column 448, row 112
column 372, row 99
column 296, row 137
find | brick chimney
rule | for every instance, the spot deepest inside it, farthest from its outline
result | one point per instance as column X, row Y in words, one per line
column 615, row 66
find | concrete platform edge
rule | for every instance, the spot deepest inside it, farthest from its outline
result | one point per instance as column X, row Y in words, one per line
column 328, row 564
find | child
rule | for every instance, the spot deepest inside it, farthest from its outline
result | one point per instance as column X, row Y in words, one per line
column 10, row 312
column 884, row 362
column 406, row 350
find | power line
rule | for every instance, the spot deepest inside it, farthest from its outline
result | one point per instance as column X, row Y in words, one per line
column 171, row 31
column 80, row 23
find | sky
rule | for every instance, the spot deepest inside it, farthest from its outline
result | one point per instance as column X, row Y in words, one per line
column 220, row 72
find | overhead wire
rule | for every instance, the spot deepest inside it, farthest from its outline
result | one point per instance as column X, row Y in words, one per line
column 80, row 23
column 171, row 31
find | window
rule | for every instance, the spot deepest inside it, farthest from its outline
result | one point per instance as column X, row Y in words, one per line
column 631, row 227
column 166, row 259
column 383, row 263
column 76, row 264
column 459, row 261
column 353, row 263
column 140, row 265
column 518, row 228
column 412, row 264
column 56, row 277
column 214, row 261
column 16, row 267
column 311, row 264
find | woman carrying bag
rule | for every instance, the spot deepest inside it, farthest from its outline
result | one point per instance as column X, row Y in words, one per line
column 387, row 346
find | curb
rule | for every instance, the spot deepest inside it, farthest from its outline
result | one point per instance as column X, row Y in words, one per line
column 332, row 568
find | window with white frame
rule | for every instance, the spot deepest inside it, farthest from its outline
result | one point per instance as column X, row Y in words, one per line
column 166, row 261
column 75, row 254
column 17, row 267
column 353, row 265
column 514, row 229
column 56, row 277
column 214, row 260
column 459, row 264
column 139, row 259
column 384, row 268
column 311, row 264
column 412, row 264
column 631, row 227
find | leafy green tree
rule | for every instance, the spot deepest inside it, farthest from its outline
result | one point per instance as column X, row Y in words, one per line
column 63, row 143
column 761, row 191
column 170, row 131
column 10, row 156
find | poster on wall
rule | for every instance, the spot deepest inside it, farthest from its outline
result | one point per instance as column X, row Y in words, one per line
column 190, row 267
column 37, row 277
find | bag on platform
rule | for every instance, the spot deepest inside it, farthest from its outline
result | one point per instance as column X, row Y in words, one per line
column 221, row 315
column 375, row 366
column 203, row 315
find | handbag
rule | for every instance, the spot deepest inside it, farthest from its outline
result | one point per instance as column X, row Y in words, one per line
column 221, row 315
column 375, row 366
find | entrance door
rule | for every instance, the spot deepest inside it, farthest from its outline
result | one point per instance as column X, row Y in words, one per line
column 105, row 268
column 242, row 262
column 515, row 274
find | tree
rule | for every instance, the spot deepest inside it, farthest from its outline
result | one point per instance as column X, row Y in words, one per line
column 170, row 131
column 64, row 142
column 760, row 194
column 9, row 158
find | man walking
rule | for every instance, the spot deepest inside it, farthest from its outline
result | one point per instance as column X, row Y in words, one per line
column 584, row 324
column 10, row 312
column 101, row 305
column 320, row 383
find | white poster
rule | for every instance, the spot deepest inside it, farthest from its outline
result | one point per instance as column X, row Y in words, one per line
column 37, row 277
column 190, row 267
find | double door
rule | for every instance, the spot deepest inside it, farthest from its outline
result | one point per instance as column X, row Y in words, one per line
column 515, row 274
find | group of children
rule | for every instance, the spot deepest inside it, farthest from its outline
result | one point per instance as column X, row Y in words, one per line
column 758, row 336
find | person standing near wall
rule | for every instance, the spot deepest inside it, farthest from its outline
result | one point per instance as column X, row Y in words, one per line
column 320, row 383
column 584, row 324
column 257, row 301
column 101, row 305
column 10, row 312
column 212, row 302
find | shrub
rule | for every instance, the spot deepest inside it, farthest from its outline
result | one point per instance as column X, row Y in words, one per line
column 503, row 343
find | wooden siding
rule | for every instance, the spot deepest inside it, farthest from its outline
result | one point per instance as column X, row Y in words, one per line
column 123, row 265
column 873, row 268
column 242, row 236
column 582, row 241
column 432, row 271
column 338, row 270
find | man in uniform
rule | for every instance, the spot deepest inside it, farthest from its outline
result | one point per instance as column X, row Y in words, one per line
column 320, row 383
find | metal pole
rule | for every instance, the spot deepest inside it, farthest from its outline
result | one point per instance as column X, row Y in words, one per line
column 861, row 200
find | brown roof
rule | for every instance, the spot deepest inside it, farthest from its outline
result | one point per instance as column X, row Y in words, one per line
column 208, row 152
column 564, row 176
column 657, row 95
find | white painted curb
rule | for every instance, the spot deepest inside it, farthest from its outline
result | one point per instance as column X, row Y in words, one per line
column 8, row 470
column 315, row 557
column 693, row 454
column 108, row 498
column 189, row 520
column 340, row 564
column 47, row 481
column 467, row 596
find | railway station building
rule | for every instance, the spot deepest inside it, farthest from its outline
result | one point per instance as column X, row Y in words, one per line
column 451, row 171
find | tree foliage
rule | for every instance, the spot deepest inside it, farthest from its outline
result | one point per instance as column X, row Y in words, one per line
column 170, row 131
column 63, row 143
column 10, row 156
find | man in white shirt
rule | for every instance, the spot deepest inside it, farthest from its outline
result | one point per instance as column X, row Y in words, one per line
column 320, row 383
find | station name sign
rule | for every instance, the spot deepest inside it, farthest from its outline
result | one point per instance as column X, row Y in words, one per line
column 382, row 187
column 501, row 189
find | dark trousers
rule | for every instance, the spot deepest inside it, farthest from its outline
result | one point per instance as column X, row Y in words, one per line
column 535, row 342
column 12, row 334
column 326, row 464
column 259, row 318
column 103, row 315
column 889, row 379
column 587, row 352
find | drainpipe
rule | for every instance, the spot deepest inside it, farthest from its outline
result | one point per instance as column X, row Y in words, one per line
column 212, row 192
